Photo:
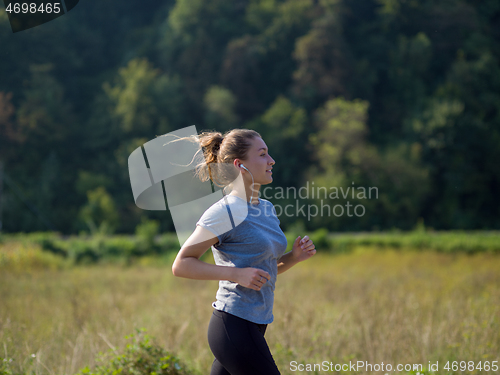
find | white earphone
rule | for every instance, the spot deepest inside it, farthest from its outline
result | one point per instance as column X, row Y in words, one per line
column 245, row 168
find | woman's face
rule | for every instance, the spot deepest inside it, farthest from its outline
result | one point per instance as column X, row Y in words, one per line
column 259, row 162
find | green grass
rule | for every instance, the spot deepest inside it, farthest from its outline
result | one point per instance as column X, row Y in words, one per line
column 83, row 249
column 448, row 241
column 380, row 305
column 130, row 249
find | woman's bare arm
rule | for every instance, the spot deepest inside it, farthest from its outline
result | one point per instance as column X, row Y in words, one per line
column 187, row 264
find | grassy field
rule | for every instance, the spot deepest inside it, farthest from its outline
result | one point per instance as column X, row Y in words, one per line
column 397, row 307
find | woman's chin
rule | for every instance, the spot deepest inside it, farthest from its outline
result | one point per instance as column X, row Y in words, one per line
column 265, row 180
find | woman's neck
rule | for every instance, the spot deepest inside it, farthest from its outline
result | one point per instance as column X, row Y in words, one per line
column 248, row 194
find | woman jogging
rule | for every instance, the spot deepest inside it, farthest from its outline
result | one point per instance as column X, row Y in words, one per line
column 249, row 251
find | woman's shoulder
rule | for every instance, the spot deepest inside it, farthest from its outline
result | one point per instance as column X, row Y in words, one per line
column 224, row 215
column 217, row 207
column 265, row 201
column 223, row 206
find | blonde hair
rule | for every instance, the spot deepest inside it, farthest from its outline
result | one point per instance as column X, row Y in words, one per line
column 219, row 149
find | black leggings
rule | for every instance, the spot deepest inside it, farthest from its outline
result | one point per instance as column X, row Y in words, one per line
column 239, row 346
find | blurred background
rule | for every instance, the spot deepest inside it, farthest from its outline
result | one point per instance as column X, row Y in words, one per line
column 398, row 95
column 402, row 95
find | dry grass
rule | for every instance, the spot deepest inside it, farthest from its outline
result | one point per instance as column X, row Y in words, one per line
column 391, row 307
column 374, row 306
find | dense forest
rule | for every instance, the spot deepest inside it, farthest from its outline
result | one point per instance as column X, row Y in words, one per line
column 401, row 95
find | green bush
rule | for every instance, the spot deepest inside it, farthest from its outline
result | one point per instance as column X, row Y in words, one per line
column 19, row 257
column 118, row 246
column 141, row 357
column 81, row 251
column 145, row 236
column 129, row 249
column 446, row 241
column 320, row 239
column 168, row 242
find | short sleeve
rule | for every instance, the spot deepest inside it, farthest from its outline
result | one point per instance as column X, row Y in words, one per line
column 217, row 220
column 270, row 208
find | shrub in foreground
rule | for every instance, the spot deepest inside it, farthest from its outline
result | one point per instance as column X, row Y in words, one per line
column 141, row 357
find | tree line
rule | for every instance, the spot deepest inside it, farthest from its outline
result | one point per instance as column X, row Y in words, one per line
column 402, row 95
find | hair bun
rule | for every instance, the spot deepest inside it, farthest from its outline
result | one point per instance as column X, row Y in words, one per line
column 217, row 142
column 211, row 142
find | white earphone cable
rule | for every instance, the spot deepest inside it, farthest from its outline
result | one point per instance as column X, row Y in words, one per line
column 253, row 182
column 251, row 188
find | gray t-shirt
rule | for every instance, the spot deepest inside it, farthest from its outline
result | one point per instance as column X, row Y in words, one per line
column 249, row 236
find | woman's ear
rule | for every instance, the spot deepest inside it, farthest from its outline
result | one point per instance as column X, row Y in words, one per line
column 237, row 163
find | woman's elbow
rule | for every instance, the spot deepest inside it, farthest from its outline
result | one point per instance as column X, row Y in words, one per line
column 176, row 271
column 183, row 264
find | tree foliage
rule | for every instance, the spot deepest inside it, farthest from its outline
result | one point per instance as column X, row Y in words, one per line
column 401, row 95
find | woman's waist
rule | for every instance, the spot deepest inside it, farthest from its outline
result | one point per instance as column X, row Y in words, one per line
column 269, row 265
column 257, row 312
column 238, row 294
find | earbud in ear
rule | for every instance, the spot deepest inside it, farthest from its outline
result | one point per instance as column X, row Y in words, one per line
column 242, row 166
